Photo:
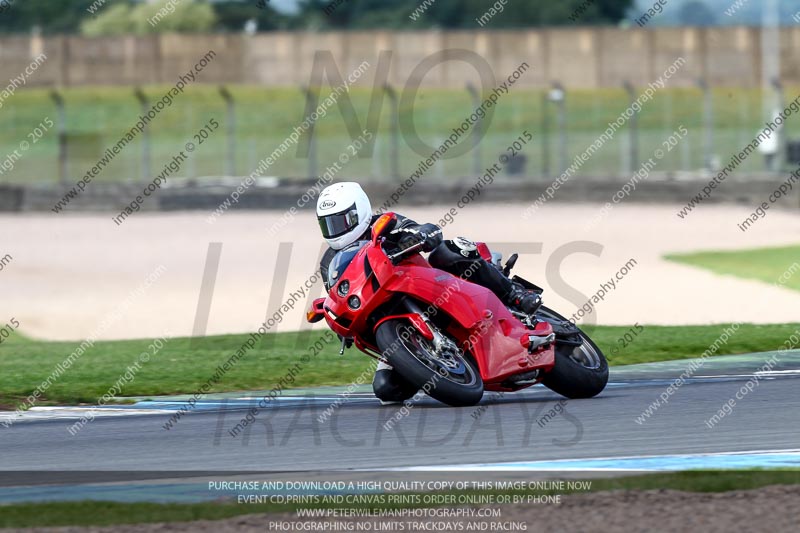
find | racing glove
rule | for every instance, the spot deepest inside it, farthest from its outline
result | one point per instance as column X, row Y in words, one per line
column 429, row 234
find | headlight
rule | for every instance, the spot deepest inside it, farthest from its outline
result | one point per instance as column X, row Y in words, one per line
column 344, row 288
column 354, row 302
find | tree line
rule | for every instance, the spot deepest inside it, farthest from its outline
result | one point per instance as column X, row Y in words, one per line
column 116, row 17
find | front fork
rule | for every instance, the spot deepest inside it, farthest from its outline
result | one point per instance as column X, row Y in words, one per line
column 440, row 342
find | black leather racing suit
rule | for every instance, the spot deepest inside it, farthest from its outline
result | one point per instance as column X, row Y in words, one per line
column 459, row 257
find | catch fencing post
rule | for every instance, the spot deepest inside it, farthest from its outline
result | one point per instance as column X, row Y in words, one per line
column 230, row 166
column 142, row 98
column 394, row 125
column 477, row 167
column 559, row 96
column 708, row 123
column 62, row 135
column 312, row 141
column 779, row 97
column 633, row 132
column 545, row 136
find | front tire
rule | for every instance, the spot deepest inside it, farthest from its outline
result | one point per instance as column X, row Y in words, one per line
column 580, row 371
column 453, row 380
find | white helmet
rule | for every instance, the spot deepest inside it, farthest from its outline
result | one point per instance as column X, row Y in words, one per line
column 344, row 213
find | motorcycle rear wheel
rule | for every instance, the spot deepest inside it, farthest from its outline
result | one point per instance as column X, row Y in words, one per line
column 580, row 371
column 453, row 380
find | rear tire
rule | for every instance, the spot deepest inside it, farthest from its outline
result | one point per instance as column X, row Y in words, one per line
column 580, row 371
column 454, row 381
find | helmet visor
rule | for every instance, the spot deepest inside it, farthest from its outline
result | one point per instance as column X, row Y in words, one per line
column 339, row 223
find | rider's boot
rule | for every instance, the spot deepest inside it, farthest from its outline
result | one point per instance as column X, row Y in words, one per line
column 389, row 387
column 511, row 293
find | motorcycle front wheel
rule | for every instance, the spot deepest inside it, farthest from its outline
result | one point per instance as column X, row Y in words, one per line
column 450, row 378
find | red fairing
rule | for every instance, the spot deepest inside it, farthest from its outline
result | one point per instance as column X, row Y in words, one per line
column 481, row 323
column 416, row 321
column 484, row 251
column 488, row 330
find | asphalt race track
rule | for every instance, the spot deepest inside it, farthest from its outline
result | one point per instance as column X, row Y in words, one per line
column 533, row 431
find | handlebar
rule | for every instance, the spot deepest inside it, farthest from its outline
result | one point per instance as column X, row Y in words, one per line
column 395, row 258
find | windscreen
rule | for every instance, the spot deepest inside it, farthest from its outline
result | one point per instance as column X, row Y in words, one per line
column 342, row 260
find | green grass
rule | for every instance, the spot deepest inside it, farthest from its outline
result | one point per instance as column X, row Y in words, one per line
column 106, row 513
column 666, row 343
column 180, row 367
column 770, row 265
column 96, row 117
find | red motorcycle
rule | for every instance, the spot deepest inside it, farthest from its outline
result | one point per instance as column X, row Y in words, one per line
column 446, row 336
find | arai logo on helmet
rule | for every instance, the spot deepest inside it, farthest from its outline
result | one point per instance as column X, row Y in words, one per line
column 327, row 204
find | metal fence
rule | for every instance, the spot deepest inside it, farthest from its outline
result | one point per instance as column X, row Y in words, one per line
column 561, row 122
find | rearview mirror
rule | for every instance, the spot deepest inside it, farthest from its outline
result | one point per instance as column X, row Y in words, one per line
column 384, row 224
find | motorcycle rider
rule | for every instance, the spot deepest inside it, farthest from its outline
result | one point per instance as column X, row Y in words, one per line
column 345, row 216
